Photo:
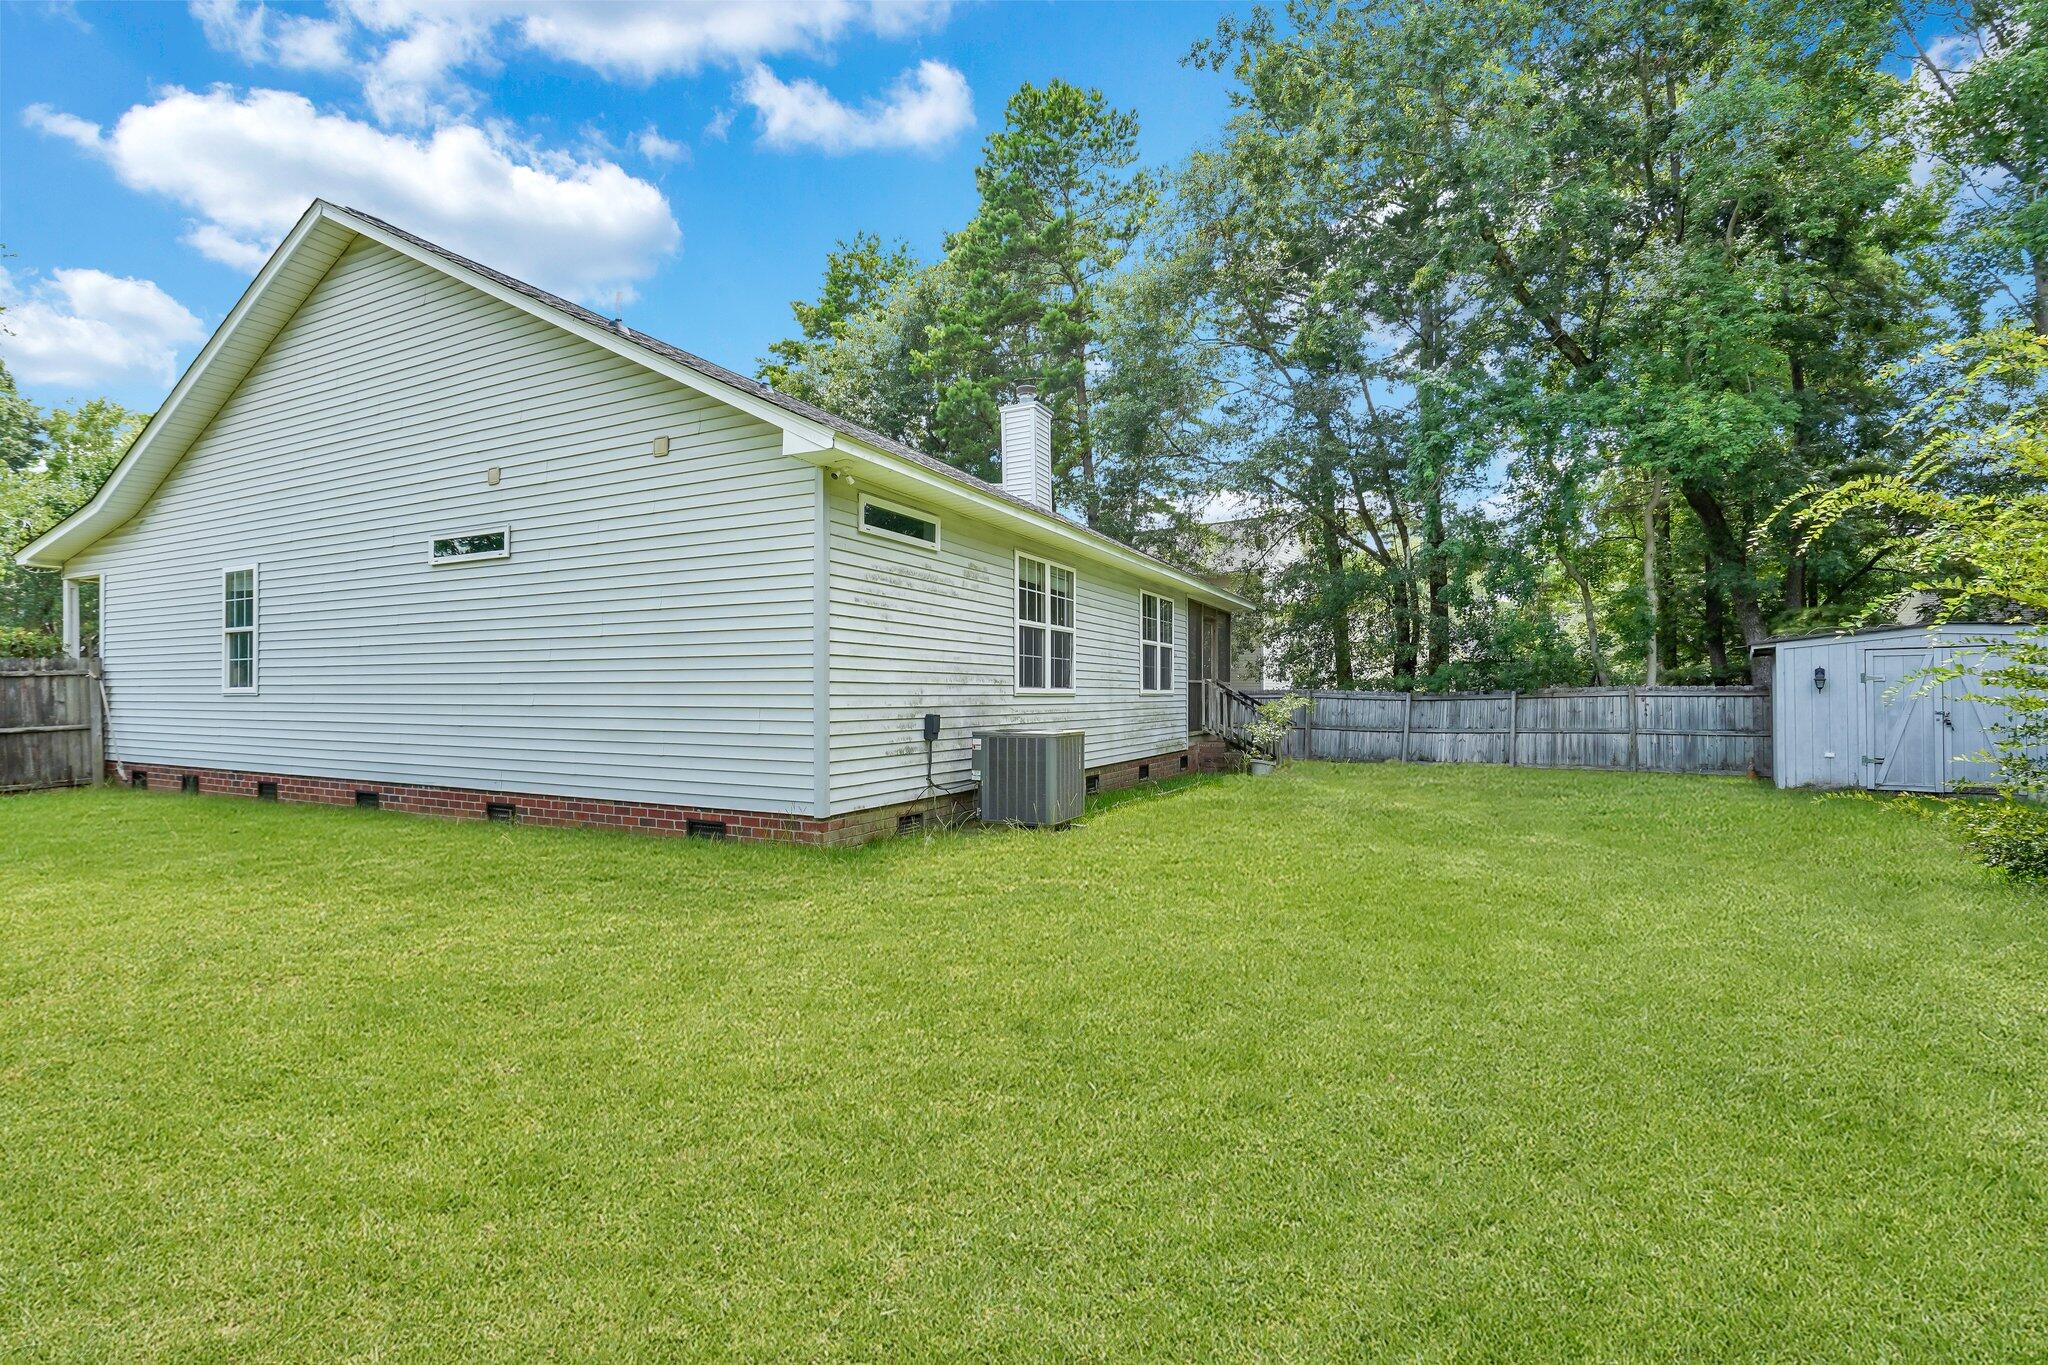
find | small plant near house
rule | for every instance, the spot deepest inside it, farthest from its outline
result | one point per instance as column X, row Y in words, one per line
column 1266, row 731
column 19, row 642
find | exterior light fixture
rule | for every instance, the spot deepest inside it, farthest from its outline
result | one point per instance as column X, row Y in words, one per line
column 1820, row 680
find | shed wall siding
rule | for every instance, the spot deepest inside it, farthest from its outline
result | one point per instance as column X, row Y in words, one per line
column 1808, row 725
column 651, row 637
column 916, row 631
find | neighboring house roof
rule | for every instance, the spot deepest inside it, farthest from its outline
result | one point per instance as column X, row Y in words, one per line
column 326, row 230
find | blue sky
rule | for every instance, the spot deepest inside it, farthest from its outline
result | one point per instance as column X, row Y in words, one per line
column 697, row 159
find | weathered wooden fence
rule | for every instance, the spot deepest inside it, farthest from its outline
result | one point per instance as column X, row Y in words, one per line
column 1628, row 729
column 49, row 723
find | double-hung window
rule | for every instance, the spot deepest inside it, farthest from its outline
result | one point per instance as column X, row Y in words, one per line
column 1155, row 664
column 1045, row 626
column 238, row 630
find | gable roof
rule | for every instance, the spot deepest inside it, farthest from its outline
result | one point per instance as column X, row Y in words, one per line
column 326, row 230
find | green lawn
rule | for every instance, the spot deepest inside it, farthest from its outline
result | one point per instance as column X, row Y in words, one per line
column 1436, row 1062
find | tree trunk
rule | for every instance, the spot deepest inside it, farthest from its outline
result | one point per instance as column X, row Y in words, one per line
column 2041, row 293
column 1091, row 495
column 1650, row 659
column 1715, row 620
column 1592, row 625
column 1437, row 648
column 1402, row 599
column 1437, row 651
column 1725, row 552
column 1339, row 601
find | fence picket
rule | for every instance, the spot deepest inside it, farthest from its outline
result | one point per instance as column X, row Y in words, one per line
column 1723, row 730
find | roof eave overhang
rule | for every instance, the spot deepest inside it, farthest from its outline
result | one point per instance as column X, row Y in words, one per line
column 118, row 498
column 852, row 456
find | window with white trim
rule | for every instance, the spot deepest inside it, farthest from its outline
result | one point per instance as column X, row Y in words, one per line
column 891, row 522
column 1155, row 665
column 470, row 545
column 238, row 630
column 1045, row 626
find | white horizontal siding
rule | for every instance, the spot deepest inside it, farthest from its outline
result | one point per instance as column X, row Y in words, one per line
column 651, row 637
column 916, row 631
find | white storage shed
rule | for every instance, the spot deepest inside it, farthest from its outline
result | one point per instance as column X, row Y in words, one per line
column 1856, row 709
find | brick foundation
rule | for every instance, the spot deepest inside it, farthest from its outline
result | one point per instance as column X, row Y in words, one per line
column 465, row 803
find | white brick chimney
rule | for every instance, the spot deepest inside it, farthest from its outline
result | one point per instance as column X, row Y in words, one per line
column 1027, row 448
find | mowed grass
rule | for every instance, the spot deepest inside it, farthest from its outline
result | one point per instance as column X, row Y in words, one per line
column 1436, row 1062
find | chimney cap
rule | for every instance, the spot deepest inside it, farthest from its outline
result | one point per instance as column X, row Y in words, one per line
column 1027, row 392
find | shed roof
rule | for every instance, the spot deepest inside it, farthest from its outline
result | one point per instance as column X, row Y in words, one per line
column 1944, row 629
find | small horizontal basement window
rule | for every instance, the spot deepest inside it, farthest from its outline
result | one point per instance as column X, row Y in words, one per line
column 898, row 523
column 501, row 810
column 471, row 545
column 266, row 791
column 910, row 822
column 188, row 783
column 367, row 800
column 139, row 779
column 705, row 829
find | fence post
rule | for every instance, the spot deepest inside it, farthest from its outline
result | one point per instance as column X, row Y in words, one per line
column 1635, row 761
column 1407, row 716
column 1514, row 725
column 96, row 745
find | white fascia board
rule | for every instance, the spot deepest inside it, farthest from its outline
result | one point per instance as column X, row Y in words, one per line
column 906, row 476
column 51, row 549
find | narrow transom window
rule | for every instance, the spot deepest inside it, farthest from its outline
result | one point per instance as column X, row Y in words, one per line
column 1045, row 626
column 1155, row 645
column 898, row 523
column 470, row 545
column 238, row 630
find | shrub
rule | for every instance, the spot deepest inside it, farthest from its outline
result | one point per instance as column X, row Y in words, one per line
column 1267, row 731
column 2011, row 836
column 19, row 642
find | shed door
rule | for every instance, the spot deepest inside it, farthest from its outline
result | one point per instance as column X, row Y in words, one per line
column 1966, row 728
column 1904, row 728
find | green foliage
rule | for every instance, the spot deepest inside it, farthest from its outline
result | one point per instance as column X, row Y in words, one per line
column 2011, row 836
column 77, row 450
column 1031, row 290
column 1970, row 515
column 1267, row 731
column 19, row 642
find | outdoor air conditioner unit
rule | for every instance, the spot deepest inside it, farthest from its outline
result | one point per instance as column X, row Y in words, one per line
column 1030, row 777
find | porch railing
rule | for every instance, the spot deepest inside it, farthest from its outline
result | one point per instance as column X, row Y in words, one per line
column 1217, row 708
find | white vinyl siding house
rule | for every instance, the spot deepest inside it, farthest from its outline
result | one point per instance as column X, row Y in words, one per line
column 914, row 632
column 441, row 530
column 650, row 631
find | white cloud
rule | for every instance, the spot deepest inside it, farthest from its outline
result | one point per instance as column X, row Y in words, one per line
column 255, row 33
column 408, row 54
column 92, row 329
column 719, row 125
column 655, row 147
column 924, row 109
column 642, row 41
column 57, row 123
column 246, row 166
